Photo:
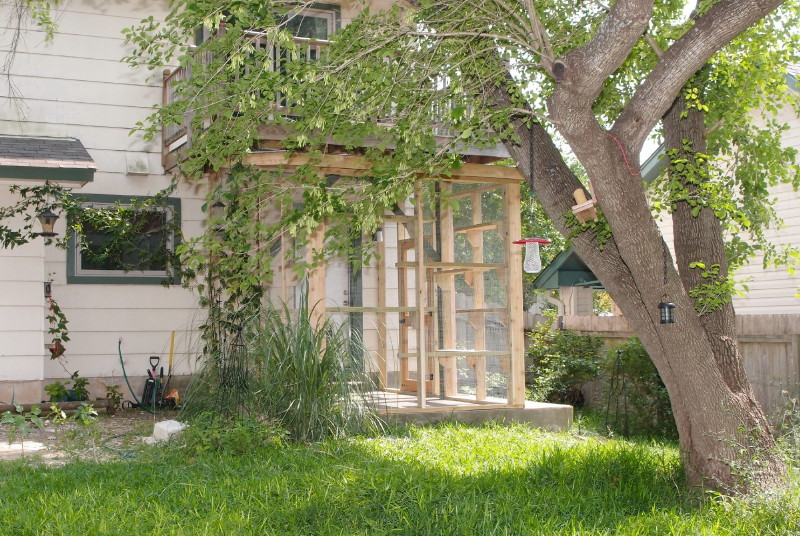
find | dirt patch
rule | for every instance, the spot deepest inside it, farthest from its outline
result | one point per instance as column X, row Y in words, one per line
column 108, row 437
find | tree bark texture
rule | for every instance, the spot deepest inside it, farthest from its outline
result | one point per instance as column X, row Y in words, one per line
column 724, row 435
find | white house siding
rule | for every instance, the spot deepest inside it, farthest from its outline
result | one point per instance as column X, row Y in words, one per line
column 21, row 317
column 76, row 86
column 771, row 290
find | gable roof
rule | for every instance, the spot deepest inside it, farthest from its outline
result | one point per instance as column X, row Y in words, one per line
column 567, row 270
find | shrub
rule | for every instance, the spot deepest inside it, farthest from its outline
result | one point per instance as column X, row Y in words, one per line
column 787, row 429
column 637, row 402
column 237, row 436
column 563, row 360
column 308, row 379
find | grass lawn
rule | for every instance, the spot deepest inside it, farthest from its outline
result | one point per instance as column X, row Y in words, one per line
column 423, row 481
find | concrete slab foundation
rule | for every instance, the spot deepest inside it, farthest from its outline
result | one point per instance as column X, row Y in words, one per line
column 402, row 409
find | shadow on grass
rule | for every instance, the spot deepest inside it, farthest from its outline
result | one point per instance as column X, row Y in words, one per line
column 454, row 480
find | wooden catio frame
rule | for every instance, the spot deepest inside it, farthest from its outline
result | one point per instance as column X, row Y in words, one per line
column 442, row 330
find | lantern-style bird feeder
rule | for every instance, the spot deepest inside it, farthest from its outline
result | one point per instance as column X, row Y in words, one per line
column 667, row 310
column 47, row 219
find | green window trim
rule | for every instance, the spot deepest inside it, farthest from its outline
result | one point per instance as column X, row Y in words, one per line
column 74, row 275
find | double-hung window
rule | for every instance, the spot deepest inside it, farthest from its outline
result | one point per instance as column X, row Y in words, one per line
column 99, row 255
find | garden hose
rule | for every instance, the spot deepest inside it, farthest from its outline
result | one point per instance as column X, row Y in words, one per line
column 125, row 375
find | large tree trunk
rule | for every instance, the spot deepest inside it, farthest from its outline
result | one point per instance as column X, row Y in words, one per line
column 724, row 435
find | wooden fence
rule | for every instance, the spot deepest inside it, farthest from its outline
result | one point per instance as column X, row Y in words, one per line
column 770, row 346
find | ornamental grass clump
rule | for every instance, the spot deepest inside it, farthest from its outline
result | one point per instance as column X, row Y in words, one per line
column 308, row 378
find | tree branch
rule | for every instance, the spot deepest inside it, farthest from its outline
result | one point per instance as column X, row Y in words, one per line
column 713, row 30
column 653, row 45
column 588, row 67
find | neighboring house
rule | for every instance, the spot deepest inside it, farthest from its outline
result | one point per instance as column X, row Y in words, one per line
column 68, row 121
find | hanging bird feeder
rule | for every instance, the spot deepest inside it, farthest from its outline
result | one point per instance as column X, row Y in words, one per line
column 533, row 261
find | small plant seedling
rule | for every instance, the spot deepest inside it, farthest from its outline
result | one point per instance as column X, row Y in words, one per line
column 79, row 387
column 57, row 391
column 114, row 397
column 20, row 422
column 85, row 414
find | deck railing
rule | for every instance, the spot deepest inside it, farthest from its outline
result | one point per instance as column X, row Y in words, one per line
column 178, row 135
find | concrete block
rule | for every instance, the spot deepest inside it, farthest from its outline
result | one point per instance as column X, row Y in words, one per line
column 164, row 430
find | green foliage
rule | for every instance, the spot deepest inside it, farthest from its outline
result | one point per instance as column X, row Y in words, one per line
column 307, row 378
column 600, row 229
column 637, row 402
column 114, row 397
column 20, row 421
column 787, row 428
column 715, row 293
column 85, row 414
column 79, row 386
column 562, row 361
column 211, row 433
column 121, row 223
column 40, row 12
column 449, row 479
column 57, row 391
column 58, row 327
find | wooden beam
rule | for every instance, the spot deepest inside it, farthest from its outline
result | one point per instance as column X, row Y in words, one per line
column 457, row 352
column 477, row 320
column 471, row 191
column 376, row 309
column 355, row 166
column 380, row 250
column 456, row 265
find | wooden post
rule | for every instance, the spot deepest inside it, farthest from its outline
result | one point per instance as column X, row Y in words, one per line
column 419, row 257
column 380, row 250
column 478, row 319
column 316, row 277
column 448, row 285
column 516, row 326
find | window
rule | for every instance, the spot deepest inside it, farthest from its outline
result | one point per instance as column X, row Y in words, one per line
column 314, row 23
column 144, row 259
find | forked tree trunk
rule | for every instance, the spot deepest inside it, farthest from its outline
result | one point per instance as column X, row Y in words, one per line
column 724, row 435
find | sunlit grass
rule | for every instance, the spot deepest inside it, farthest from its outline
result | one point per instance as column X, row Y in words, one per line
column 421, row 481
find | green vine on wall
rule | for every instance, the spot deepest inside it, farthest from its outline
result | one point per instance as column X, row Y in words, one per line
column 58, row 327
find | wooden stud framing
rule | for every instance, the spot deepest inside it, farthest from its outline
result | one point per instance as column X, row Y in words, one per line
column 419, row 257
column 477, row 320
column 516, row 326
column 416, row 302
column 356, row 166
column 448, row 286
column 316, row 277
column 381, row 313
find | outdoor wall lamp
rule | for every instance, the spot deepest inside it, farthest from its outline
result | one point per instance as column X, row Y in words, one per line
column 667, row 310
column 47, row 219
column 217, row 212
